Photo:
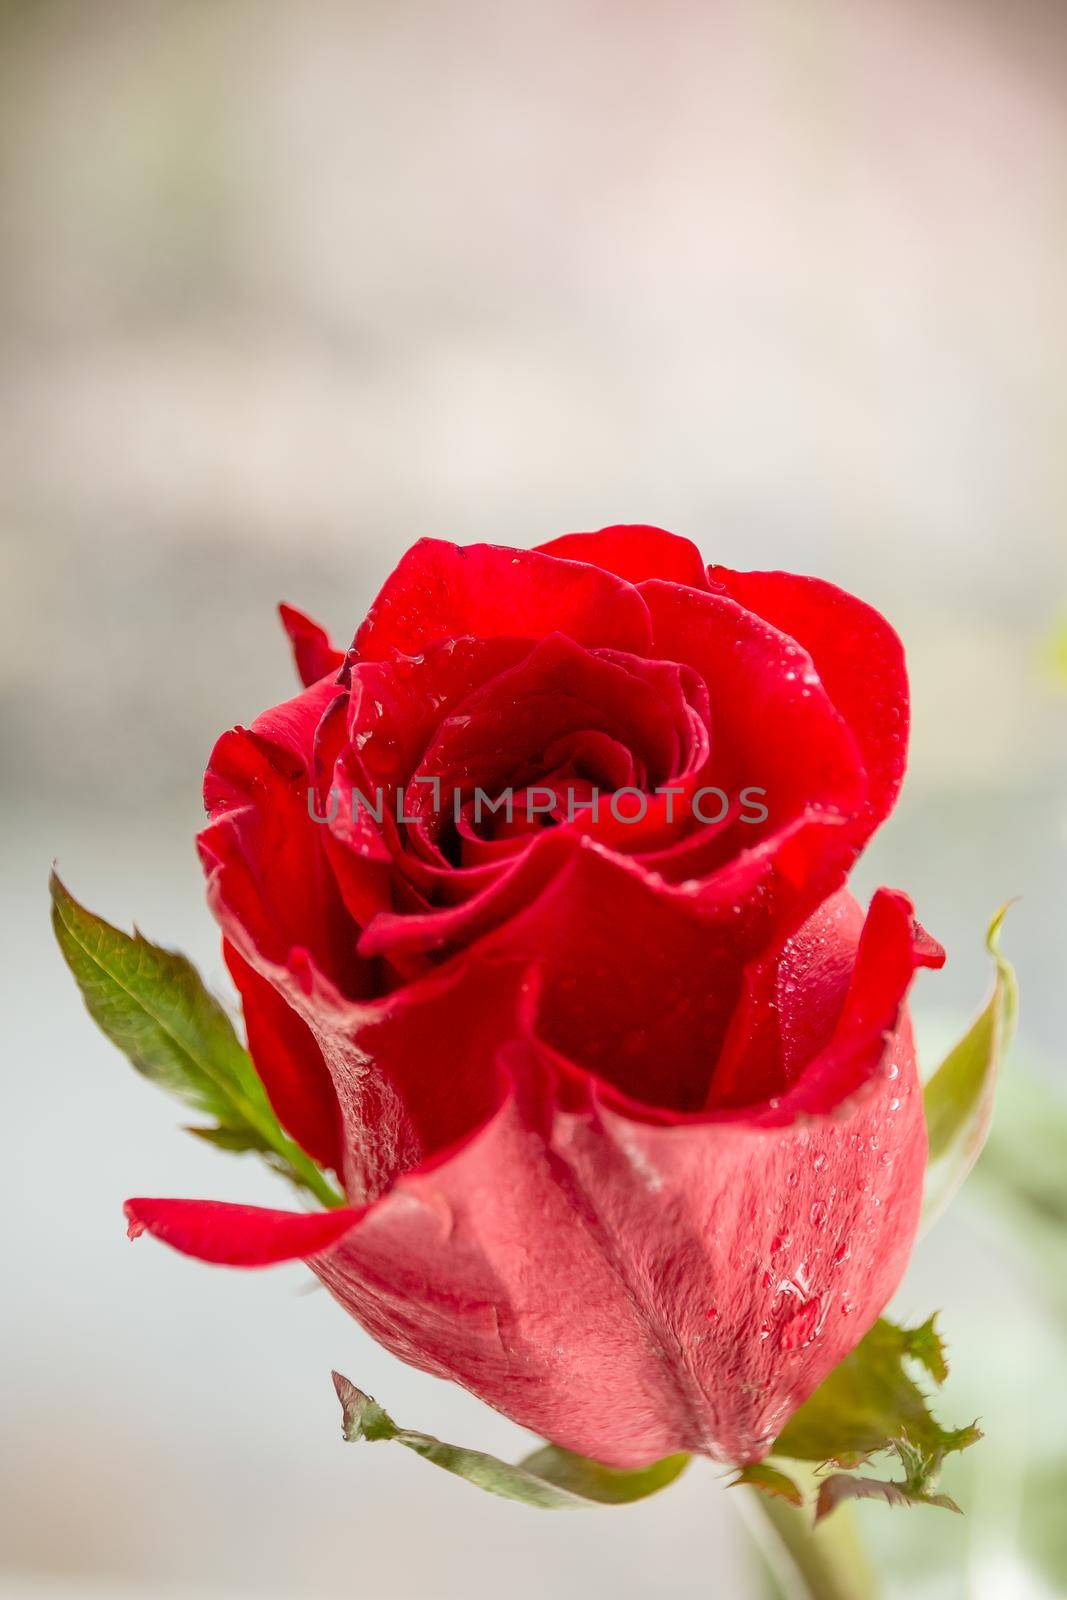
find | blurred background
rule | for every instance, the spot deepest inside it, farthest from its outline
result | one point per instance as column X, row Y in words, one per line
column 283, row 288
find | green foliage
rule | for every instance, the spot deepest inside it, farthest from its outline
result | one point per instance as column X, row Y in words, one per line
column 958, row 1099
column 870, row 1404
column 917, row 1487
column 550, row 1478
column 154, row 1006
column 768, row 1480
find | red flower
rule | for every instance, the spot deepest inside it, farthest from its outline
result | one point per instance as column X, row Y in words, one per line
column 624, row 1101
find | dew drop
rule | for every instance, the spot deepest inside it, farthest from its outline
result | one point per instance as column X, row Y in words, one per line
column 800, row 1329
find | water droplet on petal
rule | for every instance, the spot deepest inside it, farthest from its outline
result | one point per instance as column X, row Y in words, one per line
column 800, row 1329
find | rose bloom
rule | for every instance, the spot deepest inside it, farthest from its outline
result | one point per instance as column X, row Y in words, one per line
column 626, row 1111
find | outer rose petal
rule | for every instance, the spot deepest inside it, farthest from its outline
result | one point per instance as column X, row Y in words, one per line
column 634, row 551
column 237, row 1236
column 858, row 657
column 416, row 1072
column 447, row 591
column 630, row 1285
column 290, row 1064
column 269, row 880
column 315, row 655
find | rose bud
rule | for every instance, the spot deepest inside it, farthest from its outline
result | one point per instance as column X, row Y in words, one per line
column 624, row 1105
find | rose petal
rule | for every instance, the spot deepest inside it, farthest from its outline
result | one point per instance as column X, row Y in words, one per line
column 445, row 591
column 636, row 552
column 629, row 1286
column 238, row 1236
column 812, row 1026
column 315, row 655
column 775, row 729
column 859, row 659
column 625, row 1286
column 269, row 879
column 290, row 1064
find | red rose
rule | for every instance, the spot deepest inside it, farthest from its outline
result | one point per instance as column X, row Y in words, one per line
column 624, row 1101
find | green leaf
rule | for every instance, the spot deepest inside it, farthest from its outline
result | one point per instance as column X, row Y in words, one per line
column 768, row 1480
column 152, row 1004
column 917, row 1487
column 925, row 1345
column 551, row 1478
column 606, row 1486
column 869, row 1403
column 958, row 1098
column 842, row 1486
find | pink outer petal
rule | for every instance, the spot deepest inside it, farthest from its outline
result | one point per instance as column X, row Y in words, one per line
column 628, row 1290
column 631, row 1285
column 443, row 591
column 238, row 1236
column 636, row 552
column 858, row 657
column 628, row 1285
column 315, row 655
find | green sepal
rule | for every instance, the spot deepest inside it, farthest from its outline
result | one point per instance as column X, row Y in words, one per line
column 154, row 1006
column 551, row 1478
column 958, row 1099
column 870, row 1404
column 917, row 1488
column 768, row 1480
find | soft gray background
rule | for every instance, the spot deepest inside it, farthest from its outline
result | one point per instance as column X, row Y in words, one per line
column 284, row 287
